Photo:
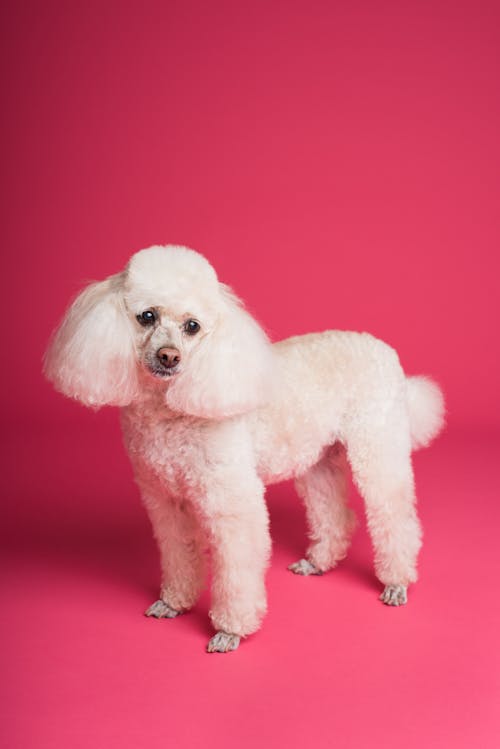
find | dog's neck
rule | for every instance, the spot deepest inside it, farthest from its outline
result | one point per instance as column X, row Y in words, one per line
column 151, row 402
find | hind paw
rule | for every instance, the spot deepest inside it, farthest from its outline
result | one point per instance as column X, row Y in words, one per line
column 304, row 567
column 161, row 610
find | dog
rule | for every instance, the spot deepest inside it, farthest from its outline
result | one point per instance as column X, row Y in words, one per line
column 212, row 412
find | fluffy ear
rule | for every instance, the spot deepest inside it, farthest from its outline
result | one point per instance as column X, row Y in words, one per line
column 229, row 371
column 91, row 356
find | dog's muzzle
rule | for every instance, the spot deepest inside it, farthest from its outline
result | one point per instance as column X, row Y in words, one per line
column 165, row 363
column 168, row 358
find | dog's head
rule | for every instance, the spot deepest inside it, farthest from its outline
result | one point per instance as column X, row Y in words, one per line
column 165, row 322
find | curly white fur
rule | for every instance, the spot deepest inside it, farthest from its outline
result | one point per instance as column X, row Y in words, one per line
column 236, row 413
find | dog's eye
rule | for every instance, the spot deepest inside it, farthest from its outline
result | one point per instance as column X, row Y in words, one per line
column 148, row 317
column 191, row 327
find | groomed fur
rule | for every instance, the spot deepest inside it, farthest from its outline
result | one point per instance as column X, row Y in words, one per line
column 426, row 408
column 233, row 413
column 234, row 381
column 92, row 356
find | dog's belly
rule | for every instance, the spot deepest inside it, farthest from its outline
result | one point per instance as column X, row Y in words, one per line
column 287, row 444
column 289, row 463
column 305, row 417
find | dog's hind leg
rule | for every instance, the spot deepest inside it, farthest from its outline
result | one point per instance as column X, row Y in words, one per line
column 331, row 522
column 382, row 471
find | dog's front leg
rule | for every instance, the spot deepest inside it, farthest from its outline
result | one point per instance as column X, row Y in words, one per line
column 181, row 551
column 236, row 519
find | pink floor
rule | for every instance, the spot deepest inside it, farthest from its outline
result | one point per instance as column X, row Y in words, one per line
column 332, row 667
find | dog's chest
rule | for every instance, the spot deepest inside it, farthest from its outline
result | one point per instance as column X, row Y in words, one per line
column 162, row 449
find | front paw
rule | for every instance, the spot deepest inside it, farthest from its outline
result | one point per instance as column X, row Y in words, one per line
column 223, row 642
column 394, row 595
column 161, row 610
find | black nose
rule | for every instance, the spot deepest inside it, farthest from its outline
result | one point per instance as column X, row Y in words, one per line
column 168, row 357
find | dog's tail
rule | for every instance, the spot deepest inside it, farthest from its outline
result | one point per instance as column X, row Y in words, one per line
column 426, row 408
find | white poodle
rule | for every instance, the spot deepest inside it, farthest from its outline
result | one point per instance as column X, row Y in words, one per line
column 212, row 412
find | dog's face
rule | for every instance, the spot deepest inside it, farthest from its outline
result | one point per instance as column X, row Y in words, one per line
column 174, row 302
column 164, row 339
column 164, row 322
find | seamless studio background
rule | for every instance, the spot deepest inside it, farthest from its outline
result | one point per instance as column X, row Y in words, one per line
column 338, row 163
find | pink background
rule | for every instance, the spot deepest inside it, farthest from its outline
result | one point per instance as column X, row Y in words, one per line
column 339, row 164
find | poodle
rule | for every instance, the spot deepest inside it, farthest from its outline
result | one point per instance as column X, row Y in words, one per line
column 212, row 412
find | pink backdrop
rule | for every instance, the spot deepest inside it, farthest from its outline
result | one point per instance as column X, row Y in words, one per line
column 339, row 165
